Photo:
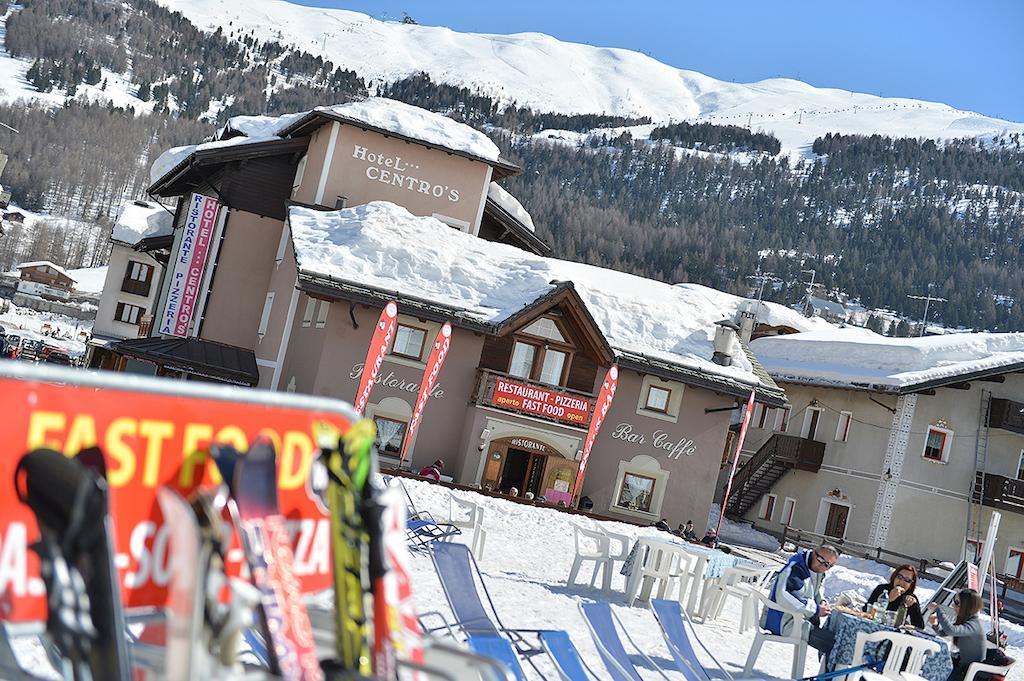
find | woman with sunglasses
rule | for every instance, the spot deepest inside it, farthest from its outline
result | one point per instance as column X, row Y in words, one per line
column 900, row 591
column 966, row 630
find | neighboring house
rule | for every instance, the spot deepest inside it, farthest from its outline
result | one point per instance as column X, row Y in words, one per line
column 885, row 440
column 45, row 279
column 828, row 310
column 132, row 281
column 291, row 235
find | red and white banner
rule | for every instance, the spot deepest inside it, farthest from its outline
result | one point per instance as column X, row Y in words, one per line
column 186, row 277
column 542, row 401
column 972, row 577
column 437, row 356
column 739, row 447
column 604, row 403
column 379, row 344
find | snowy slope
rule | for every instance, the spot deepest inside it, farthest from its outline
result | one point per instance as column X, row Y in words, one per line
column 547, row 74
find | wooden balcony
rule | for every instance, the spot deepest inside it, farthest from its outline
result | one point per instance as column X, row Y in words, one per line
column 999, row 492
column 1006, row 414
column 534, row 399
column 777, row 455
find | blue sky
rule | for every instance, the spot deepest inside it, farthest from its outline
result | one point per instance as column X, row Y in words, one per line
column 969, row 54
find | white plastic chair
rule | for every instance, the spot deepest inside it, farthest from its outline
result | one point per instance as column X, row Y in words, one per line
column 739, row 583
column 796, row 638
column 468, row 515
column 665, row 565
column 618, row 549
column 979, row 667
column 904, row 648
column 591, row 546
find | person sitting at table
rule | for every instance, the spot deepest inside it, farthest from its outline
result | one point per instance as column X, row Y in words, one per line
column 966, row 630
column 710, row 539
column 687, row 533
column 900, row 590
column 798, row 586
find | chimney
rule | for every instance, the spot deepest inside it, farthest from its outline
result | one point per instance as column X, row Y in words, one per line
column 725, row 334
column 747, row 318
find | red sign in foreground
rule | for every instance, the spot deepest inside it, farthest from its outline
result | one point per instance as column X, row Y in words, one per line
column 152, row 437
column 512, row 395
column 604, row 403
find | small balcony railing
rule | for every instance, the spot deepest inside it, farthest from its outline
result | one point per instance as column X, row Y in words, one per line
column 532, row 398
column 1007, row 415
column 998, row 491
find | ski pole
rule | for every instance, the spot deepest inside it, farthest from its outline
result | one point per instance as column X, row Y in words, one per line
column 871, row 664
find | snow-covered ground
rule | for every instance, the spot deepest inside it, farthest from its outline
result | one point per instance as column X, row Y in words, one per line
column 57, row 330
column 89, row 279
column 547, row 74
column 527, row 558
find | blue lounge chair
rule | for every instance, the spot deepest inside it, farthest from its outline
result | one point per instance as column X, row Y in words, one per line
column 563, row 653
column 499, row 649
column 421, row 529
column 601, row 623
column 670, row 616
column 458, row 572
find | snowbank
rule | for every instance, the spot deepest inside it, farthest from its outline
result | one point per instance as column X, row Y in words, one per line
column 384, row 246
column 855, row 356
column 89, row 279
column 420, row 124
column 742, row 534
column 139, row 220
column 510, row 204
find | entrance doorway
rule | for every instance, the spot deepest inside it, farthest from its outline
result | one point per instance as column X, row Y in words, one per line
column 522, row 470
column 835, row 522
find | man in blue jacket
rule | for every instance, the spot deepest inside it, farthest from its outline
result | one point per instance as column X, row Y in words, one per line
column 798, row 586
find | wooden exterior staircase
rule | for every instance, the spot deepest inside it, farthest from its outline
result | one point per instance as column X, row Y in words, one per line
column 780, row 453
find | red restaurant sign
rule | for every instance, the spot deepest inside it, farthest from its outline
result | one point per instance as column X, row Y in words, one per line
column 540, row 401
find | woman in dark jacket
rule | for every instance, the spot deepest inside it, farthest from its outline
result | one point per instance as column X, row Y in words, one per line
column 966, row 630
column 900, row 590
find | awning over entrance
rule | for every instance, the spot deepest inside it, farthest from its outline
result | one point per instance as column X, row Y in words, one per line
column 195, row 356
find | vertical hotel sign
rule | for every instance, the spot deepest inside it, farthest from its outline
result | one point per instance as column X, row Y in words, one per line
column 187, row 275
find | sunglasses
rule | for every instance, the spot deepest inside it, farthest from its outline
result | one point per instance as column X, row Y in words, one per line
column 826, row 563
column 904, row 579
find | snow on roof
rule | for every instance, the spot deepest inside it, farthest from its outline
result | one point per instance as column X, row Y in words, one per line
column 170, row 159
column 857, row 357
column 140, row 220
column 260, row 126
column 416, row 123
column 510, row 204
column 89, row 279
column 37, row 263
column 771, row 314
column 383, row 246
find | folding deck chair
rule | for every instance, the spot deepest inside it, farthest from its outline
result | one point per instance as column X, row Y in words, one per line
column 421, row 529
column 670, row 616
column 458, row 572
column 601, row 623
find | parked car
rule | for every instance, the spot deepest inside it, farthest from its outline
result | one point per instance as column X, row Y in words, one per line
column 31, row 349
column 12, row 342
column 56, row 356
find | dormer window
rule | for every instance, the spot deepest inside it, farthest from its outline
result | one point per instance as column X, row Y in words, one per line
column 544, row 356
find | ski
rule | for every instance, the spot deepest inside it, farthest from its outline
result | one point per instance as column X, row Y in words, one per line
column 403, row 631
column 85, row 619
column 267, row 545
column 347, row 458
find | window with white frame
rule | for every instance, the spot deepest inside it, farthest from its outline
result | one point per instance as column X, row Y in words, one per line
column 552, row 366
column 764, row 419
column 1014, row 562
column 843, row 427
column 788, row 507
column 782, row 419
column 639, row 487
column 767, row 507
column 521, row 365
column 937, row 443
column 128, row 313
column 1020, row 466
column 390, row 434
column 659, row 399
column 812, row 419
column 409, row 342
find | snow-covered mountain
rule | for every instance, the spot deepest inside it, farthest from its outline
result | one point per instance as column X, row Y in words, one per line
column 551, row 75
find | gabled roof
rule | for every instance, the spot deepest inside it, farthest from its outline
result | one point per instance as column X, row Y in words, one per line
column 515, row 220
column 38, row 263
column 181, row 168
column 380, row 251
